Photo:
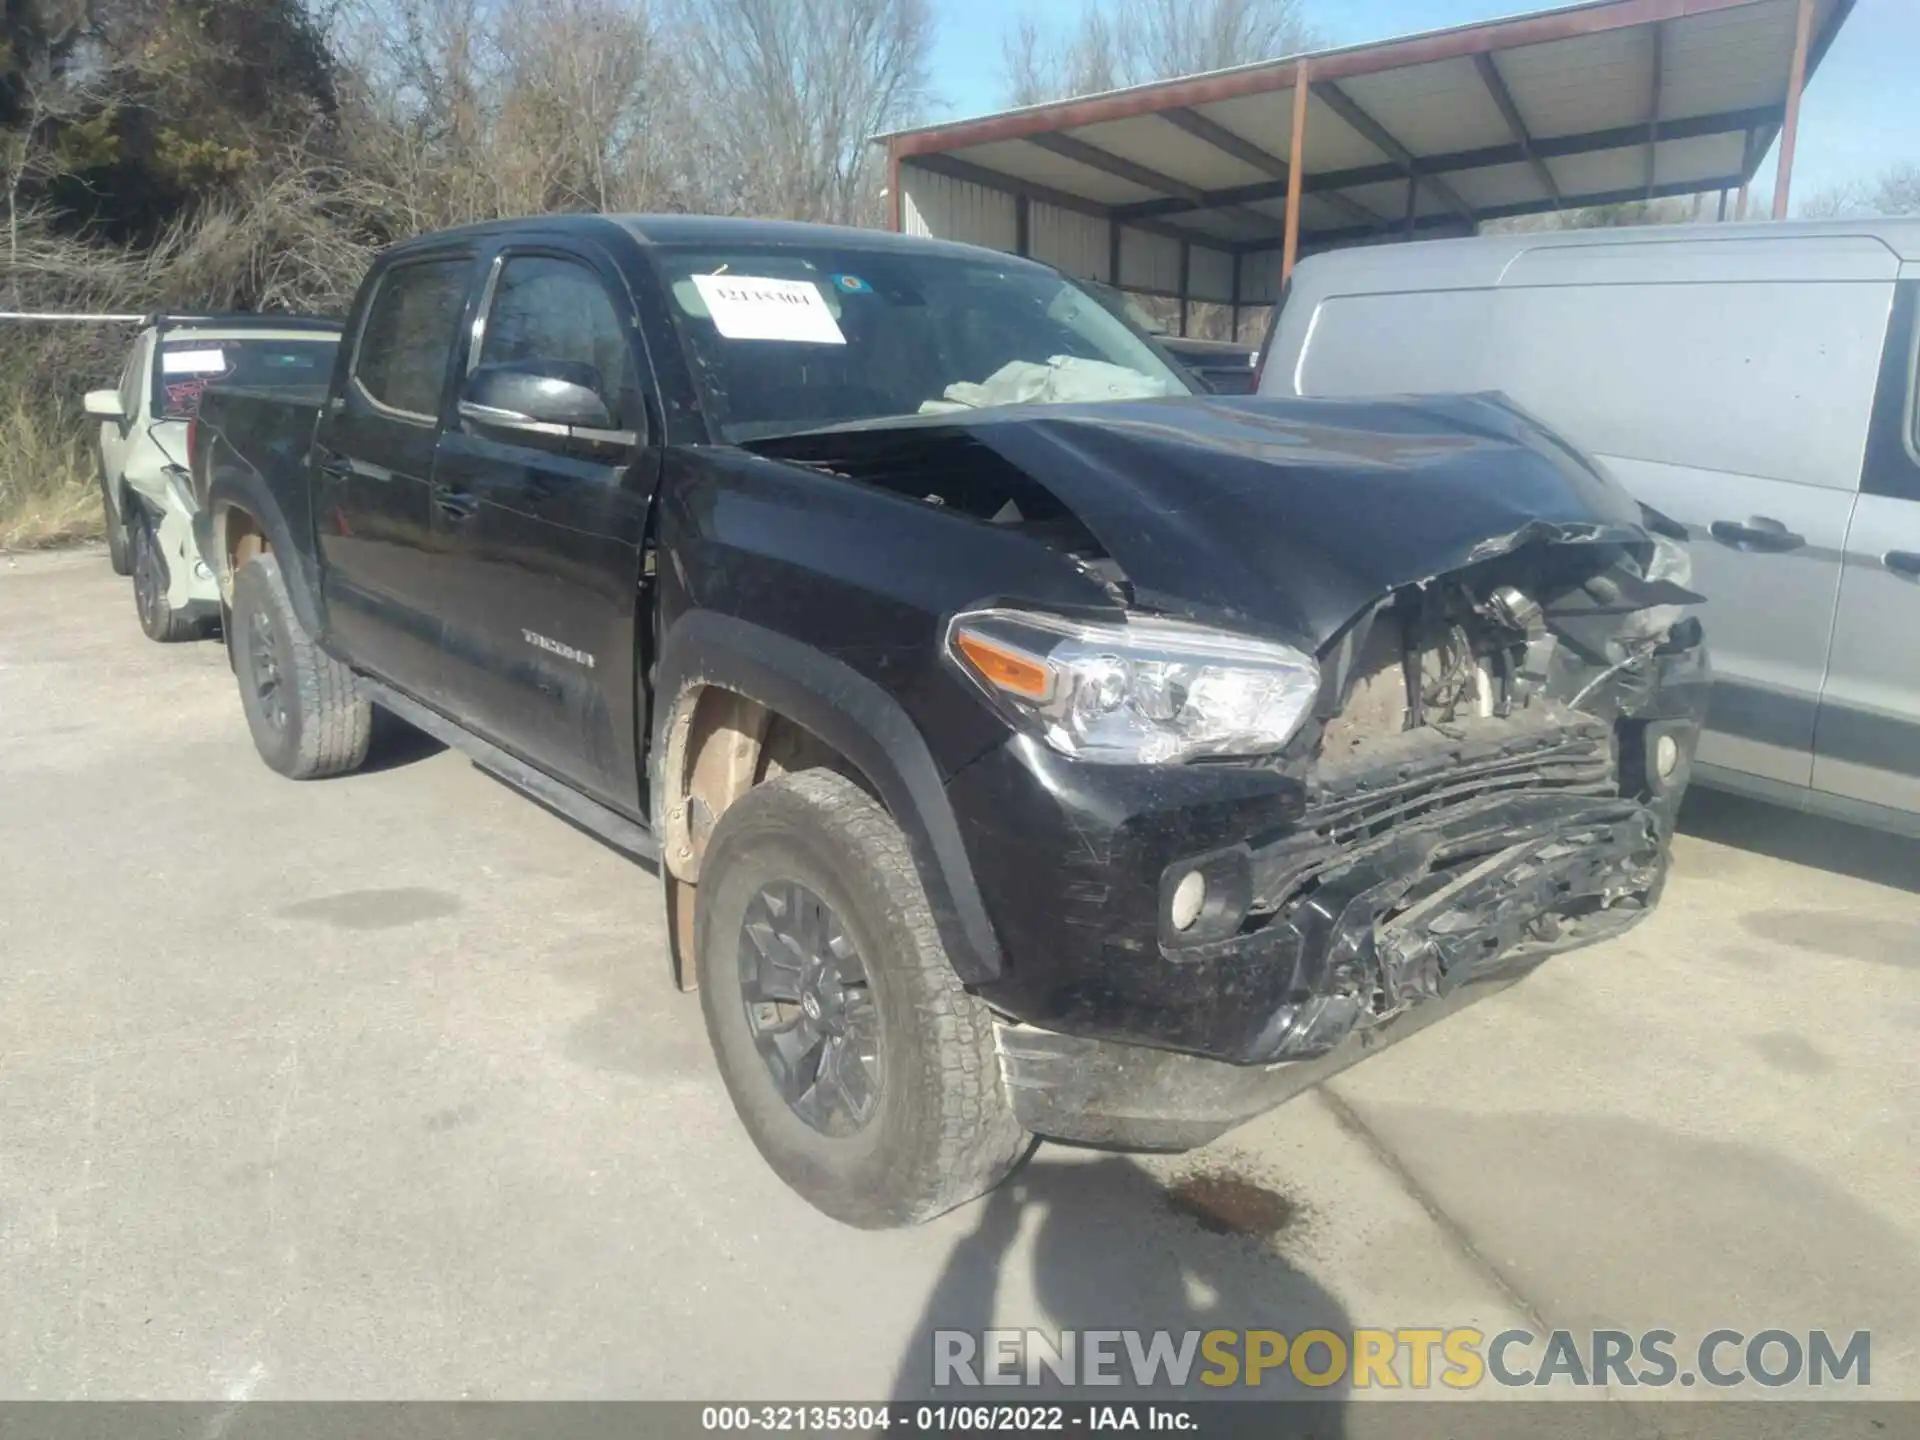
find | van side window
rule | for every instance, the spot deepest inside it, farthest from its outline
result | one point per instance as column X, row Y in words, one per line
column 556, row 314
column 1410, row 343
column 401, row 362
column 1913, row 381
column 1893, row 439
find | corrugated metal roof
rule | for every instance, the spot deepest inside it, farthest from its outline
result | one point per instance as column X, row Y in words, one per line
column 1583, row 105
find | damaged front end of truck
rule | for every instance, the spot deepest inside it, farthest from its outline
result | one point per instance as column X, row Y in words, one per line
column 1508, row 685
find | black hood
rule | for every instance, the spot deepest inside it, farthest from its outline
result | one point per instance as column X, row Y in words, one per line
column 1294, row 515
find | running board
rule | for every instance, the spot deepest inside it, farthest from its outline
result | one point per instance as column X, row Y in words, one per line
column 596, row 819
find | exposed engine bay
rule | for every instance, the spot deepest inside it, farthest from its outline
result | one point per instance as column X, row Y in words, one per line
column 1492, row 784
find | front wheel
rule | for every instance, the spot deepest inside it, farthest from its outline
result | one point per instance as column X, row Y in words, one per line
column 863, row 1070
column 307, row 718
column 159, row 620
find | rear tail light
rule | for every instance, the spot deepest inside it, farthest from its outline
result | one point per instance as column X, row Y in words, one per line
column 193, row 434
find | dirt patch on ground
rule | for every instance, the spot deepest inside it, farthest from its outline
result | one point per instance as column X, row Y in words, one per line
column 1226, row 1203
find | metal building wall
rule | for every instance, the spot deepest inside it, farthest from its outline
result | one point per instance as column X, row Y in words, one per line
column 1210, row 275
column 1260, row 277
column 1081, row 245
column 946, row 209
column 1068, row 241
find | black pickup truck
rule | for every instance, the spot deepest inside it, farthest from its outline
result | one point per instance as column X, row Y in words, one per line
column 1028, row 745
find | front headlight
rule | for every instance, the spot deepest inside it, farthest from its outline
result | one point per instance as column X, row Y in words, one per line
column 1139, row 692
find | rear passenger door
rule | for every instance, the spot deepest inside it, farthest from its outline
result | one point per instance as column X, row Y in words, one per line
column 543, row 535
column 373, row 465
column 1867, row 742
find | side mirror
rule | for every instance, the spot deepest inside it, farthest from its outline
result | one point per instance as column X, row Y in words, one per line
column 105, row 405
column 551, row 401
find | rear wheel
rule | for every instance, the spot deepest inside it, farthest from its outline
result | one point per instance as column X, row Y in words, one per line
column 307, row 718
column 119, row 548
column 864, row 1072
column 158, row 619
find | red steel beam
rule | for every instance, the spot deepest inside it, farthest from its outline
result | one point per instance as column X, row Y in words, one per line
column 1296, row 165
column 1790, row 127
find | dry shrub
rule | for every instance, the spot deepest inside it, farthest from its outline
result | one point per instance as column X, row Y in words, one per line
column 47, row 490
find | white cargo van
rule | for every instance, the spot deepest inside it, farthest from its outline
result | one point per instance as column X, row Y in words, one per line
column 1754, row 382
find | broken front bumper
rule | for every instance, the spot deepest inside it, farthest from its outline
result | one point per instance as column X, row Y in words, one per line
column 1441, row 863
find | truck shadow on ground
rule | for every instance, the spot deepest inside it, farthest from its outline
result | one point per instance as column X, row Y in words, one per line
column 1106, row 1246
column 396, row 744
column 1802, row 839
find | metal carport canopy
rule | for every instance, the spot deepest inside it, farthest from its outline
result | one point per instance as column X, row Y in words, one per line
column 1203, row 188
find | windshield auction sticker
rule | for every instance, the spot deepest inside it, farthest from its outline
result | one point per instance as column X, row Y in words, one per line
column 753, row 307
column 192, row 362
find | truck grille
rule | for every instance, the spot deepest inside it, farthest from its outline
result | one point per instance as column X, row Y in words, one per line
column 1437, row 774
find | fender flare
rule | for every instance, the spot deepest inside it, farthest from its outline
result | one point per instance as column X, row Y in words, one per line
column 241, row 489
column 861, row 721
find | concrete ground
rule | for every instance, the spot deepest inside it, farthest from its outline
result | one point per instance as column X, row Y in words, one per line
column 377, row 1087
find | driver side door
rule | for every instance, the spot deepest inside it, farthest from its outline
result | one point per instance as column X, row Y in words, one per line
column 543, row 535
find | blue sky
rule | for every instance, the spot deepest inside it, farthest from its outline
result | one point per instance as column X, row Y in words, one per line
column 1862, row 110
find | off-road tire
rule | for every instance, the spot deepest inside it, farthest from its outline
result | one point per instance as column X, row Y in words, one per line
column 158, row 620
column 325, row 724
column 119, row 543
column 942, row 1132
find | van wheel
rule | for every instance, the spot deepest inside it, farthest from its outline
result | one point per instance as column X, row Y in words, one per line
column 158, row 619
column 119, row 550
column 864, row 1072
column 307, row 718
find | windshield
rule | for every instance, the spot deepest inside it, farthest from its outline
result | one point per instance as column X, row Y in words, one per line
column 187, row 366
column 782, row 339
column 1130, row 307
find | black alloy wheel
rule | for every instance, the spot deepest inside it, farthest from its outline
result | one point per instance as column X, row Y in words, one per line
column 263, row 672
column 149, row 580
column 809, row 1008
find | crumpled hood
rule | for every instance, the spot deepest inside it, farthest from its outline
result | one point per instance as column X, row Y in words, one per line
column 1292, row 514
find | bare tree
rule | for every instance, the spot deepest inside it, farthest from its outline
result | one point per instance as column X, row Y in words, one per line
column 1132, row 42
column 1894, row 191
column 1038, row 67
column 788, row 92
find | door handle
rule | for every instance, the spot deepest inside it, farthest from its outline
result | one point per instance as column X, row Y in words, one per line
column 1761, row 533
column 1902, row 562
column 336, row 466
column 455, row 504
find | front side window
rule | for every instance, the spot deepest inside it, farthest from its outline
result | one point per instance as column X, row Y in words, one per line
column 186, row 366
column 555, row 316
column 130, row 376
column 408, row 335
column 786, row 338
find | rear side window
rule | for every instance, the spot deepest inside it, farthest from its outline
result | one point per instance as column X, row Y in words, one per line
column 555, row 315
column 1414, row 343
column 130, row 375
column 1911, row 291
column 187, row 366
column 402, row 360
column 1893, row 445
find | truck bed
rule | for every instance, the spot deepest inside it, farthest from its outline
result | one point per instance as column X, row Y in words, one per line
column 267, row 431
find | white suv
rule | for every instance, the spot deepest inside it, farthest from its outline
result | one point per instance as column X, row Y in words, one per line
column 143, row 445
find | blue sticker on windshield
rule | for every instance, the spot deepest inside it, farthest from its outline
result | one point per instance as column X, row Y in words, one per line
column 853, row 284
